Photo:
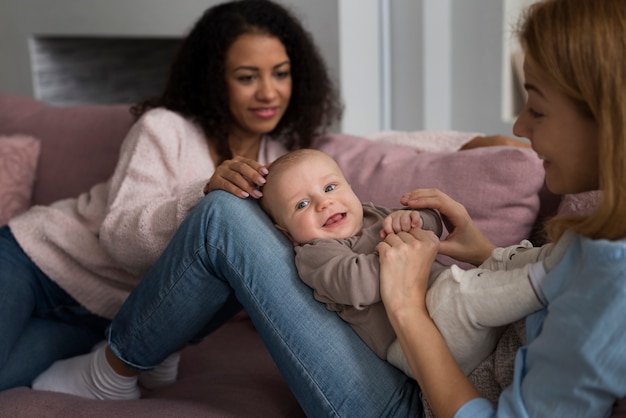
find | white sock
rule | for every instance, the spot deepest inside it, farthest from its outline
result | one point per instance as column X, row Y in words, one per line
column 162, row 375
column 89, row 376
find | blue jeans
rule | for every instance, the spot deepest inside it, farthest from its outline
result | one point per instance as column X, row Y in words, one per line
column 227, row 254
column 39, row 322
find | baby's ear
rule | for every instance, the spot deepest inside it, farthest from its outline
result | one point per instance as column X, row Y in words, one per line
column 287, row 234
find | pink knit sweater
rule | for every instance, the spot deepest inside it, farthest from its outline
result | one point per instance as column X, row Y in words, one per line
column 97, row 246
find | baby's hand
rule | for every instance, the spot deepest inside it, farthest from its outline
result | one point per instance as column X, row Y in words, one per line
column 400, row 221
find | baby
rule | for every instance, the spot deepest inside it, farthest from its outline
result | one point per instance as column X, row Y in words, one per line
column 335, row 235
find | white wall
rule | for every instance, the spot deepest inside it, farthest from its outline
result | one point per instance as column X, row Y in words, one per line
column 450, row 65
column 437, row 64
column 360, row 67
column 448, row 58
column 22, row 20
column 482, row 80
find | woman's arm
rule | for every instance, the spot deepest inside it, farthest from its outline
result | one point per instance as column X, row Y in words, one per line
column 163, row 172
column 465, row 242
column 404, row 280
column 163, row 167
column 494, row 140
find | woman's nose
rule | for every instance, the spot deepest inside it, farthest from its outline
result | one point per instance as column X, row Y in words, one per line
column 520, row 127
column 266, row 90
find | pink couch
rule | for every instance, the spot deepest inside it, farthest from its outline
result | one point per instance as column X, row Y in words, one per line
column 230, row 374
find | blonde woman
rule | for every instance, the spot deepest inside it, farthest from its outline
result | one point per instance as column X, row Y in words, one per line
column 573, row 363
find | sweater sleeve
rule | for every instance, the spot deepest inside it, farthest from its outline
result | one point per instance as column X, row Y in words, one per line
column 153, row 188
column 339, row 275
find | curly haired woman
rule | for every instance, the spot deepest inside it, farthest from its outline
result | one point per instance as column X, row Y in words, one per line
column 247, row 85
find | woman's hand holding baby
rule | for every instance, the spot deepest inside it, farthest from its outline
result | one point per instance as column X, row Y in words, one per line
column 465, row 242
column 239, row 176
column 403, row 275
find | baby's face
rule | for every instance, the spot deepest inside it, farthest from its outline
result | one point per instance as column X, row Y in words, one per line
column 313, row 199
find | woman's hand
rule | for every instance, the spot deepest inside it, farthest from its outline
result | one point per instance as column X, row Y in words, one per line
column 401, row 221
column 405, row 262
column 465, row 242
column 239, row 176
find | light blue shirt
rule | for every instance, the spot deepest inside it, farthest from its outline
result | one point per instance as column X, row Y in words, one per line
column 574, row 363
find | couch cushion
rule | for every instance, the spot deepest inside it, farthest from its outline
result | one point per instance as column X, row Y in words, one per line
column 229, row 374
column 90, row 135
column 498, row 185
column 18, row 162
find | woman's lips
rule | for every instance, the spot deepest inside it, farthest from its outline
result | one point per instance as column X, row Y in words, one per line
column 545, row 162
column 266, row 112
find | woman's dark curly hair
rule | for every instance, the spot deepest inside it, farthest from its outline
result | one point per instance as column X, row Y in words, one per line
column 196, row 87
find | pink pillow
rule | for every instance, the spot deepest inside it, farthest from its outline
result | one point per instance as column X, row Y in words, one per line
column 18, row 162
column 498, row 185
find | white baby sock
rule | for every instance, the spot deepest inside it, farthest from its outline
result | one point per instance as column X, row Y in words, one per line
column 89, row 376
column 162, row 375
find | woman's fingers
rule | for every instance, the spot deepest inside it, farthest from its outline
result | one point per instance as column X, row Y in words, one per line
column 239, row 176
column 405, row 262
column 465, row 241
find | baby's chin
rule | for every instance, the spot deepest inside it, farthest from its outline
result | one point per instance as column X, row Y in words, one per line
column 344, row 232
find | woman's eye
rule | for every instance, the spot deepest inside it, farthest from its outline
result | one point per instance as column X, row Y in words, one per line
column 534, row 113
column 246, row 79
column 302, row 205
column 283, row 74
column 330, row 188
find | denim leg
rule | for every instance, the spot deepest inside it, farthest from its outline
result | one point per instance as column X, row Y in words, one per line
column 328, row 367
column 42, row 342
column 179, row 301
column 228, row 244
column 39, row 322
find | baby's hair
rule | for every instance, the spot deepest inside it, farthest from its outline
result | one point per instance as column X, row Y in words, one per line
column 288, row 160
column 282, row 163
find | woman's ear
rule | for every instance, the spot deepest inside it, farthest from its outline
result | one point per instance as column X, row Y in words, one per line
column 287, row 234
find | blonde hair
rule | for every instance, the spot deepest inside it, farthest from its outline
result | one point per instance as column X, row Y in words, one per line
column 579, row 46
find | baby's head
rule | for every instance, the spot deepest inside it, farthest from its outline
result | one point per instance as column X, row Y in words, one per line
column 308, row 197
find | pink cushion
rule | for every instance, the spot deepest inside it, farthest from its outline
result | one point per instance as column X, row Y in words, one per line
column 87, row 135
column 18, row 162
column 499, row 186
